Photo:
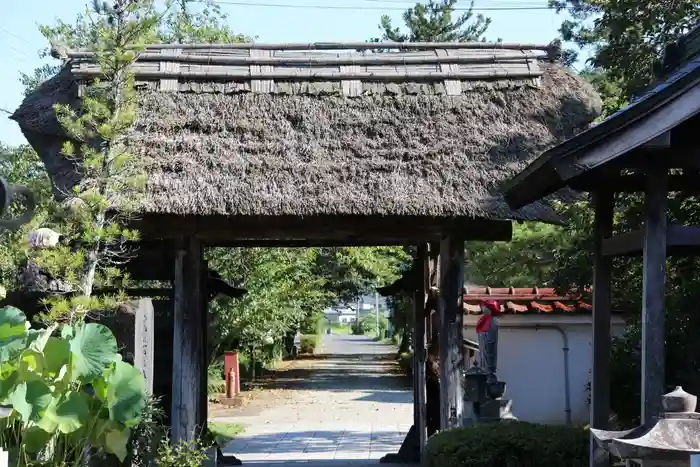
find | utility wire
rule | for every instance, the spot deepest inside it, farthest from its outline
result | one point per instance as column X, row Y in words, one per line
column 477, row 3
column 371, row 8
column 23, row 40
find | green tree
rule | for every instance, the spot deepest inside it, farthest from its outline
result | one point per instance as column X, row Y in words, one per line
column 288, row 286
column 183, row 21
column 628, row 36
column 528, row 260
column 101, row 204
column 435, row 21
column 626, row 40
column 21, row 165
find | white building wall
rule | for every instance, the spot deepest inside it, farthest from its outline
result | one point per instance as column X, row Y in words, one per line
column 531, row 362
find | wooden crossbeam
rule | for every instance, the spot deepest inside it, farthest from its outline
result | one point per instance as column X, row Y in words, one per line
column 679, row 239
column 312, row 231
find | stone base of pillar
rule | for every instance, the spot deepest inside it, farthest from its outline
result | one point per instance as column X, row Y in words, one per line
column 409, row 452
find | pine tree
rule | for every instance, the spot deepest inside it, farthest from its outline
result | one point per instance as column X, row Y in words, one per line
column 102, row 204
column 433, row 22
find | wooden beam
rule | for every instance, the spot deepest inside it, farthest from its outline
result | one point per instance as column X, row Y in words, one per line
column 663, row 141
column 419, row 346
column 603, row 202
column 451, row 324
column 489, row 46
column 317, row 230
column 629, row 243
column 187, row 340
column 684, row 183
column 653, row 300
column 150, row 292
column 680, row 239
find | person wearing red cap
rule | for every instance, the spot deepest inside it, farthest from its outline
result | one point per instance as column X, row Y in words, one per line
column 487, row 333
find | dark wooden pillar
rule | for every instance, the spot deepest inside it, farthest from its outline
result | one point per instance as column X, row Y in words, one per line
column 187, row 340
column 654, row 277
column 603, row 202
column 203, row 395
column 451, row 330
column 419, row 345
column 433, row 281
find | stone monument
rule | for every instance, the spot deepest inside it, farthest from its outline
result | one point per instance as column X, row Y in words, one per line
column 671, row 440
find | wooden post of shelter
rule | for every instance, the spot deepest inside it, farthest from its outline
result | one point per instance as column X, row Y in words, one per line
column 419, row 345
column 451, row 330
column 654, row 275
column 603, row 202
column 187, row 340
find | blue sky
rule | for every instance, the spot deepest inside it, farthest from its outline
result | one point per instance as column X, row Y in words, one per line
column 20, row 38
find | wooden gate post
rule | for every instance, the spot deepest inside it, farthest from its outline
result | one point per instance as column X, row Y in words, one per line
column 419, row 346
column 653, row 300
column 451, row 330
column 188, row 348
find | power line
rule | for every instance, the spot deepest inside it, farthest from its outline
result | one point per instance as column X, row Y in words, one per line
column 477, row 3
column 371, row 8
column 17, row 36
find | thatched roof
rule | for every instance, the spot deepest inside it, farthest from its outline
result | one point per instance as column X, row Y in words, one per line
column 268, row 131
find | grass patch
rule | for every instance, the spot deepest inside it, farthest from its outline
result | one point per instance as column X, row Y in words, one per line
column 224, row 432
column 341, row 330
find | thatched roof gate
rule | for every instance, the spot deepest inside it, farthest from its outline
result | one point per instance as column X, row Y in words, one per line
column 257, row 132
column 299, row 144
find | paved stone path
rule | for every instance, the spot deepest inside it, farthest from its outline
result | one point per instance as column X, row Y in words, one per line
column 347, row 408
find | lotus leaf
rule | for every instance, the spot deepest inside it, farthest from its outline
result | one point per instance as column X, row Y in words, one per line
column 13, row 333
column 35, row 439
column 31, row 399
column 93, row 348
column 71, row 413
column 126, row 394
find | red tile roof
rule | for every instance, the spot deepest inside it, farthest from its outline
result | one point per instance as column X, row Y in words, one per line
column 524, row 300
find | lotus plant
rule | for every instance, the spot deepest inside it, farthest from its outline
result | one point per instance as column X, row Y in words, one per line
column 64, row 391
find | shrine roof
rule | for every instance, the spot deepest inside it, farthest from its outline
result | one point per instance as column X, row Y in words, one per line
column 636, row 124
column 515, row 300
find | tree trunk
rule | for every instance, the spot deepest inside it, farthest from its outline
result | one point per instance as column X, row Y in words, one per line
column 405, row 342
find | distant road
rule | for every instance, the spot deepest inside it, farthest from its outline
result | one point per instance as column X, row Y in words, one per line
column 348, row 406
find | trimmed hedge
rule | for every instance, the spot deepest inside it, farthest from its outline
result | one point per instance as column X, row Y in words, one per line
column 309, row 343
column 509, row 444
column 406, row 363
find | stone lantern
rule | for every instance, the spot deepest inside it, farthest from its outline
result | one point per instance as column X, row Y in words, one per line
column 669, row 441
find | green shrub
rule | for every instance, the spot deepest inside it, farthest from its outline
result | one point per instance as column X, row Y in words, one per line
column 357, row 329
column 182, row 454
column 216, row 384
column 309, row 343
column 406, row 363
column 509, row 444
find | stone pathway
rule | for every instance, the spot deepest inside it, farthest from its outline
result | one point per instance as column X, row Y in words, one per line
column 346, row 407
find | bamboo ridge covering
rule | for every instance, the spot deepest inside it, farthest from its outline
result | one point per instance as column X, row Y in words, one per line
column 257, row 130
column 245, row 64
